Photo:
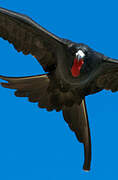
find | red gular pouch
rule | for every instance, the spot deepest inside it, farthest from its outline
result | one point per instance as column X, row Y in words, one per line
column 75, row 70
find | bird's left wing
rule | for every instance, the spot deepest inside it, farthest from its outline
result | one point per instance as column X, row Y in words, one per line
column 29, row 37
column 106, row 75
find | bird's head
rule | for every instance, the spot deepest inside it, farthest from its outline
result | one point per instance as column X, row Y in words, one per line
column 85, row 59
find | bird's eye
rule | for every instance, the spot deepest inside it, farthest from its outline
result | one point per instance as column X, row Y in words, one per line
column 80, row 54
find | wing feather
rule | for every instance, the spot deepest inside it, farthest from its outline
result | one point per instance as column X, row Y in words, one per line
column 107, row 76
column 29, row 37
column 103, row 76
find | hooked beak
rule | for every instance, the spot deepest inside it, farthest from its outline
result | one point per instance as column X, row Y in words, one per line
column 80, row 55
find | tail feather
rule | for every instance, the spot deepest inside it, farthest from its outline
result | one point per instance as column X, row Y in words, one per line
column 38, row 89
column 77, row 119
column 24, row 82
column 34, row 87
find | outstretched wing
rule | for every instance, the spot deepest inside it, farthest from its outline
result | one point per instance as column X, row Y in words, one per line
column 77, row 119
column 29, row 37
column 106, row 75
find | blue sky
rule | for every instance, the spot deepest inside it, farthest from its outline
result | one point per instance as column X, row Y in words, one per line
column 35, row 144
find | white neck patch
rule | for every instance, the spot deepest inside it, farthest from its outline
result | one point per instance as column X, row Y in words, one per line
column 80, row 54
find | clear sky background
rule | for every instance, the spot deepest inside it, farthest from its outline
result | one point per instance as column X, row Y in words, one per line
column 38, row 145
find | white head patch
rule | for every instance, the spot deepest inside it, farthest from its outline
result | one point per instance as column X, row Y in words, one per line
column 80, row 54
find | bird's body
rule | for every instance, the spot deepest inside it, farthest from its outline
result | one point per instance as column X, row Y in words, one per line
column 73, row 71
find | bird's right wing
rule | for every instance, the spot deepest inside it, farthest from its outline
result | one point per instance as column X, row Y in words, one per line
column 77, row 119
column 29, row 37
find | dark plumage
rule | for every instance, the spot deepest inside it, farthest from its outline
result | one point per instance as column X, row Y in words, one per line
column 73, row 72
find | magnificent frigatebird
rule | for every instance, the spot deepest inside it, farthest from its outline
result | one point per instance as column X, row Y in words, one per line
column 73, row 71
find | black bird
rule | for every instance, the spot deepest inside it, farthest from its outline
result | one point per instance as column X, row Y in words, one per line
column 73, row 71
